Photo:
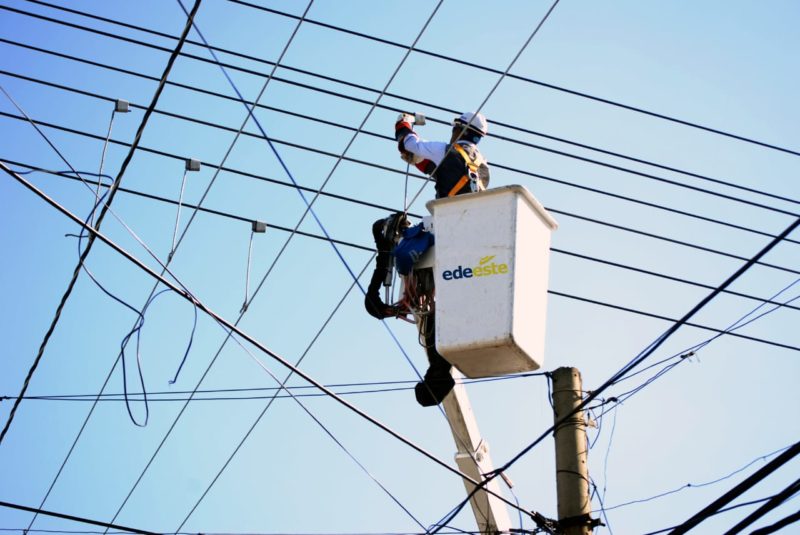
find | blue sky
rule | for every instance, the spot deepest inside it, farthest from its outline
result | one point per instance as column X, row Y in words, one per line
column 730, row 66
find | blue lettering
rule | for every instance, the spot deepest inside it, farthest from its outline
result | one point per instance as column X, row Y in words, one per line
column 447, row 275
column 467, row 273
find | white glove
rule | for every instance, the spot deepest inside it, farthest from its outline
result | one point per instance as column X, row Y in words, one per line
column 410, row 157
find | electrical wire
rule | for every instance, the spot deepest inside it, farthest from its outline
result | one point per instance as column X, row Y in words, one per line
column 498, row 165
column 391, row 209
column 557, row 293
column 723, row 510
column 736, row 491
column 230, row 328
column 515, row 170
column 83, row 520
column 100, row 217
column 690, row 485
column 641, row 357
column 310, row 210
column 532, row 81
column 539, row 147
column 385, row 386
column 423, row 103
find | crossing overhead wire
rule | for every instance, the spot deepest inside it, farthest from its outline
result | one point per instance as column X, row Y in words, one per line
column 359, row 86
column 725, row 510
column 246, row 302
column 98, row 221
column 232, row 329
column 364, row 388
column 530, row 80
column 641, row 357
column 496, row 136
column 554, row 210
column 688, row 486
column 309, row 205
column 512, row 169
column 769, row 301
column 551, row 209
column 73, row 518
column 737, row 490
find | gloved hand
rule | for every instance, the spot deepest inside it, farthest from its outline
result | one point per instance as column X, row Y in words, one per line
column 410, row 157
column 403, row 126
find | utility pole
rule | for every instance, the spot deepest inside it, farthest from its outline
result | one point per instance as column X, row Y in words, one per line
column 572, row 472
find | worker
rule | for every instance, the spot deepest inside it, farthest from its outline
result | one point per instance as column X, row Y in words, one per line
column 457, row 168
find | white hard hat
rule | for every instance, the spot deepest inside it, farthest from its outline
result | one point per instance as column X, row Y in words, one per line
column 475, row 121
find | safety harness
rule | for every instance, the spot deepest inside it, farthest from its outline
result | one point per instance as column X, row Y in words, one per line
column 471, row 176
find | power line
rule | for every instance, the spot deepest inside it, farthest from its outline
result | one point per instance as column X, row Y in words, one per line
column 363, row 162
column 688, row 486
column 725, row 510
column 641, row 357
column 551, row 292
column 530, row 80
column 774, row 502
column 355, row 99
column 512, row 169
column 111, row 193
column 736, row 491
column 779, row 525
column 40, row 511
column 556, row 250
column 231, row 329
column 423, row 103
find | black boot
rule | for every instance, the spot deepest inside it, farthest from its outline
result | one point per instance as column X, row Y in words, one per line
column 438, row 382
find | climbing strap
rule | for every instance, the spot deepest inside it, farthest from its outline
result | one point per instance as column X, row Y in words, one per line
column 472, row 171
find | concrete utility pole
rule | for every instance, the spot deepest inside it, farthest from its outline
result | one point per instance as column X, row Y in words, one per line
column 572, row 473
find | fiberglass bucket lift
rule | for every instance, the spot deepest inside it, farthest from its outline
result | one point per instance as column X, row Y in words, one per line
column 490, row 270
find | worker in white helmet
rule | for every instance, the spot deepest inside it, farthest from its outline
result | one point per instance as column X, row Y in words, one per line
column 458, row 166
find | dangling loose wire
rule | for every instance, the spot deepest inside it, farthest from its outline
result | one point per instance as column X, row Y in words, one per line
column 178, row 214
column 247, row 275
column 103, row 159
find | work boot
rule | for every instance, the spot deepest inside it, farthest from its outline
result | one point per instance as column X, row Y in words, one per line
column 432, row 391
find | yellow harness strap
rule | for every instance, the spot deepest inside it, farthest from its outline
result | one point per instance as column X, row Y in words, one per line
column 470, row 164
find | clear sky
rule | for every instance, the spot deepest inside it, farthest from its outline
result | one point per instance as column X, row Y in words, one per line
column 689, row 221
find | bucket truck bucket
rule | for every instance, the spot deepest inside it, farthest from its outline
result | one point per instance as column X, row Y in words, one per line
column 491, row 265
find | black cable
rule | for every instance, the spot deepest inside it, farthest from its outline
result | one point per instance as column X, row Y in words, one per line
column 367, row 88
column 232, row 329
column 736, row 491
column 73, row 518
column 551, row 292
column 698, row 485
column 381, row 136
column 561, row 153
column 387, row 386
column 771, row 504
column 370, row 164
column 779, row 525
column 671, row 320
column 723, row 510
column 423, row 103
column 526, row 79
column 391, row 209
column 111, row 193
column 641, row 357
